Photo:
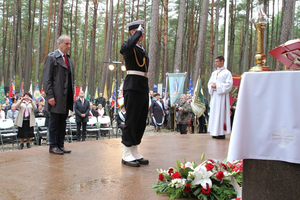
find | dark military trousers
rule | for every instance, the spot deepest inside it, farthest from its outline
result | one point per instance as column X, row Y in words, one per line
column 136, row 105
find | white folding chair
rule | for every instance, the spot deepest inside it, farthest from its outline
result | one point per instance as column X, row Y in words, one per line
column 41, row 129
column 105, row 124
column 7, row 132
column 93, row 127
column 72, row 127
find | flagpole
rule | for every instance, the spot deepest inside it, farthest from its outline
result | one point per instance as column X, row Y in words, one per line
column 226, row 33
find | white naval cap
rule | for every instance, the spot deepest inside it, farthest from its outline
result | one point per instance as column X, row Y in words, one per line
column 135, row 24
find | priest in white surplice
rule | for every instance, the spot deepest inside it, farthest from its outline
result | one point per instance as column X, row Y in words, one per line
column 219, row 86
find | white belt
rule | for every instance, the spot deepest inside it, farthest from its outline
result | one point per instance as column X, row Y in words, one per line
column 139, row 73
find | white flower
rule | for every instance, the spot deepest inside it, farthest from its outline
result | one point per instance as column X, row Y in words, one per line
column 177, row 183
column 202, row 176
column 161, row 171
column 189, row 165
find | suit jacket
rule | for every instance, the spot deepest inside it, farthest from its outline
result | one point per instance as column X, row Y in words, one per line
column 31, row 107
column 56, row 83
column 79, row 109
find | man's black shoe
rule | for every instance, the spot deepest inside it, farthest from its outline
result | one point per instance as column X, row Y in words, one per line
column 131, row 163
column 143, row 161
column 221, row 137
column 65, row 150
column 56, row 150
column 214, row 136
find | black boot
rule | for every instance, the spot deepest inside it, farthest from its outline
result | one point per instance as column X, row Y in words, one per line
column 28, row 145
column 21, row 146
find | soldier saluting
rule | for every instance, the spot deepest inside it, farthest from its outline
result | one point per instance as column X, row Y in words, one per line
column 135, row 88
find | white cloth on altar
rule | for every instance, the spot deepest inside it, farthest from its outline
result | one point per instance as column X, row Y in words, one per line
column 220, row 102
column 267, row 118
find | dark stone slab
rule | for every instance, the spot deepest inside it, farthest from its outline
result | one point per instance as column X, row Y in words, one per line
column 270, row 180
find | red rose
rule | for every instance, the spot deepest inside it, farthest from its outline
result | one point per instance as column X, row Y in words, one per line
column 209, row 166
column 176, row 175
column 224, row 166
column 170, row 171
column 161, row 177
column 187, row 188
column 220, row 175
column 211, row 160
column 207, row 190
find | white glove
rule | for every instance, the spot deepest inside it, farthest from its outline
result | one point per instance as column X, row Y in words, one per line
column 140, row 28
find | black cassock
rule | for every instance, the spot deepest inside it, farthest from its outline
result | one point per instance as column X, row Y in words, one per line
column 158, row 113
column 135, row 90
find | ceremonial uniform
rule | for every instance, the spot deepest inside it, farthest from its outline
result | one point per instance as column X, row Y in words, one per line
column 158, row 110
column 135, row 90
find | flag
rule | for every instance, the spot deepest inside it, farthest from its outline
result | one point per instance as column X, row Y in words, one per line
column 30, row 88
column 37, row 93
column 120, row 96
column 12, row 89
column 191, row 87
column 96, row 93
column 2, row 94
column 42, row 89
column 105, row 95
column 198, row 103
column 86, row 94
column 22, row 89
column 113, row 94
column 77, row 90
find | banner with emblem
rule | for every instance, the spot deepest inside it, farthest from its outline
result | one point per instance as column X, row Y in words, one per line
column 2, row 93
column 198, row 103
column 176, row 85
column 37, row 93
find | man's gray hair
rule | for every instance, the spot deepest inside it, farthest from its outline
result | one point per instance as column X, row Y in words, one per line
column 61, row 38
column 183, row 95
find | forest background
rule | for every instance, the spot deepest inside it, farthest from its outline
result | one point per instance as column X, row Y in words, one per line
column 181, row 35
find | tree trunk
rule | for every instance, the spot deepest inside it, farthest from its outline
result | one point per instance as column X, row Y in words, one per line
column 216, row 36
column 38, row 49
column 71, row 28
column 245, row 45
column 201, row 40
column 232, row 36
column 59, row 20
column 107, row 54
column 179, row 42
column 92, row 57
column 153, row 42
column 28, row 50
column 20, row 41
column 83, row 81
column 13, row 49
column 75, row 45
column 286, row 24
column 165, row 44
column 6, row 76
column 54, row 45
column 137, row 10
column 211, row 55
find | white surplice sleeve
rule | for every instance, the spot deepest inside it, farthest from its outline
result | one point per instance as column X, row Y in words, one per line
column 224, row 82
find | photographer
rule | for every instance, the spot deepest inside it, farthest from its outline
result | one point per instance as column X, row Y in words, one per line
column 25, row 119
column 183, row 114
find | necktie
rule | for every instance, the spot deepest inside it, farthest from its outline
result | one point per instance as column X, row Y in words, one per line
column 82, row 102
column 66, row 61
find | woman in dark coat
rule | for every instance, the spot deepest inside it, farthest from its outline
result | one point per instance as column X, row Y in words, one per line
column 157, row 110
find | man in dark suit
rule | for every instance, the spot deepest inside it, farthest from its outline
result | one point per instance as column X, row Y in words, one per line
column 82, row 108
column 59, row 88
column 121, row 118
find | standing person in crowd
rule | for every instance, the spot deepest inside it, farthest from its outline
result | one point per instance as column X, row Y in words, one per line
column 41, row 112
column 25, row 119
column 157, row 111
column 13, row 112
column 82, row 108
column 2, row 112
column 92, row 112
column 59, row 88
column 204, row 118
column 7, row 105
column 172, row 114
column 100, row 110
column 121, row 118
column 219, row 86
column 233, row 107
column 100, row 100
column 135, row 89
column 184, row 110
column 3, row 108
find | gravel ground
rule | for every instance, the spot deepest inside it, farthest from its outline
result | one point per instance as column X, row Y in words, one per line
column 148, row 132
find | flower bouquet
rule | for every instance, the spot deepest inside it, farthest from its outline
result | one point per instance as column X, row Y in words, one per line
column 211, row 179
